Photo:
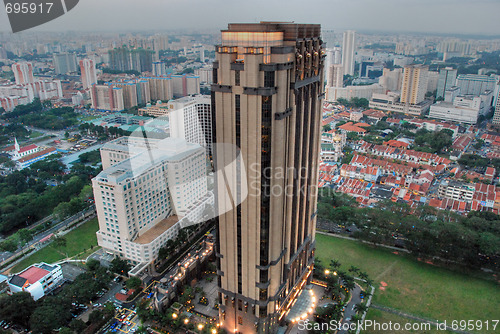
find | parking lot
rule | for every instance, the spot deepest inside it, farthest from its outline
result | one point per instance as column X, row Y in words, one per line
column 125, row 321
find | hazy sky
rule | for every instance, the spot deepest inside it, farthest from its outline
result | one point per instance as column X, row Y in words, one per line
column 435, row 16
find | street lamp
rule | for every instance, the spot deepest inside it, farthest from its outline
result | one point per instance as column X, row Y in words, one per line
column 200, row 327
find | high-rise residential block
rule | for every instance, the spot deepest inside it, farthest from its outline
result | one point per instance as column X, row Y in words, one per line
column 23, row 73
column 106, row 97
column 335, row 76
column 267, row 101
column 88, row 73
column 348, row 51
column 124, row 59
column 159, row 69
column 64, row 63
column 414, row 83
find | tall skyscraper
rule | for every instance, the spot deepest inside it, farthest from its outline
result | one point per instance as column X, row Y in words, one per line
column 447, row 79
column 348, row 50
column 64, row 63
column 88, row 73
column 23, row 73
column 266, row 100
column 414, row 84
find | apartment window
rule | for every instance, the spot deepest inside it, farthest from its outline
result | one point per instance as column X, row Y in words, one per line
column 237, row 78
column 269, row 79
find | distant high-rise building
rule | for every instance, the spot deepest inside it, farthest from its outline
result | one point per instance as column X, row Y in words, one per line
column 23, row 73
column 3, row 53
column 496, row 116
column 447, row 79
column 124, row 59
column 64, row 63
column 335, row 76
column 160, row 88
column 268, row 84
column 88, row 73
column 159, row 69
column 474, row 84
column 348, row 51
column 190, row 118
column 414, row 84
column 183, row 85
column 107, row 97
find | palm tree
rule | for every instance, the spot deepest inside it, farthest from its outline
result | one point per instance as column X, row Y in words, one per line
column 349, row 285
column 360, row 308
column 363, row 275
column 334, row 264
column 353, row 269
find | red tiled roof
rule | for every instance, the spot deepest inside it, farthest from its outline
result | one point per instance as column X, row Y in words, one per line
column 37, row 154
column 34, row 274
column 27, row 148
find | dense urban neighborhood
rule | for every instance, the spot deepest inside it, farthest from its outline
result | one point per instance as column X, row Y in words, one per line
column 270, row 177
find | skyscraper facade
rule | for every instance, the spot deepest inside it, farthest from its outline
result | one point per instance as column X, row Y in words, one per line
column 88, row 73
column 414, row 84
column 23, row 73
column 348, row 50
column 266, row 102
column 447, row 79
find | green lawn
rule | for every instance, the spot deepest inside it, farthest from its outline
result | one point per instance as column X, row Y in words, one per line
column 77, row 241
column 35, row 134
column 383, row 317
column 414, row 287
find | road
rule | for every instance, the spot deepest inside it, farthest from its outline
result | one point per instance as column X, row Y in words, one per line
column 349, row 309
column 56, row 228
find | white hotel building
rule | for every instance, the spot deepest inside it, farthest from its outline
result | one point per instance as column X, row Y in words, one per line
column 147, row 195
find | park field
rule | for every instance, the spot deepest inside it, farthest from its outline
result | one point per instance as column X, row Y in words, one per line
column 78, row 241
column 415, row 287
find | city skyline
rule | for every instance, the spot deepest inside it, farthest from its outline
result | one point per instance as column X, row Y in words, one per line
column 441, row 17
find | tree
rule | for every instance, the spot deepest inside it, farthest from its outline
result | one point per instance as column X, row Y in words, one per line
column 77, row 325
column 53, row 313
column 17, row 308
column 93, row 264
column 60, row 242
column 134, row 283
column 119, row 266
column 65, row 330
column 327, row 128
column 95, row 317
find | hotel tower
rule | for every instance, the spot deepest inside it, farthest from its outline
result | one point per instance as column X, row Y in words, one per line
column 266, row 102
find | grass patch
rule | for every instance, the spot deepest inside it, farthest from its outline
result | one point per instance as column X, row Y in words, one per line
column 384, row 317
column 35, row 134
column 414, row 287
column 77, row 241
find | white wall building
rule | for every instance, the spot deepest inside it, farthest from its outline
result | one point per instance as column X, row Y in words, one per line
column 88, row 73
column 143, row 201
column 38, row 280
column 463, row 109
